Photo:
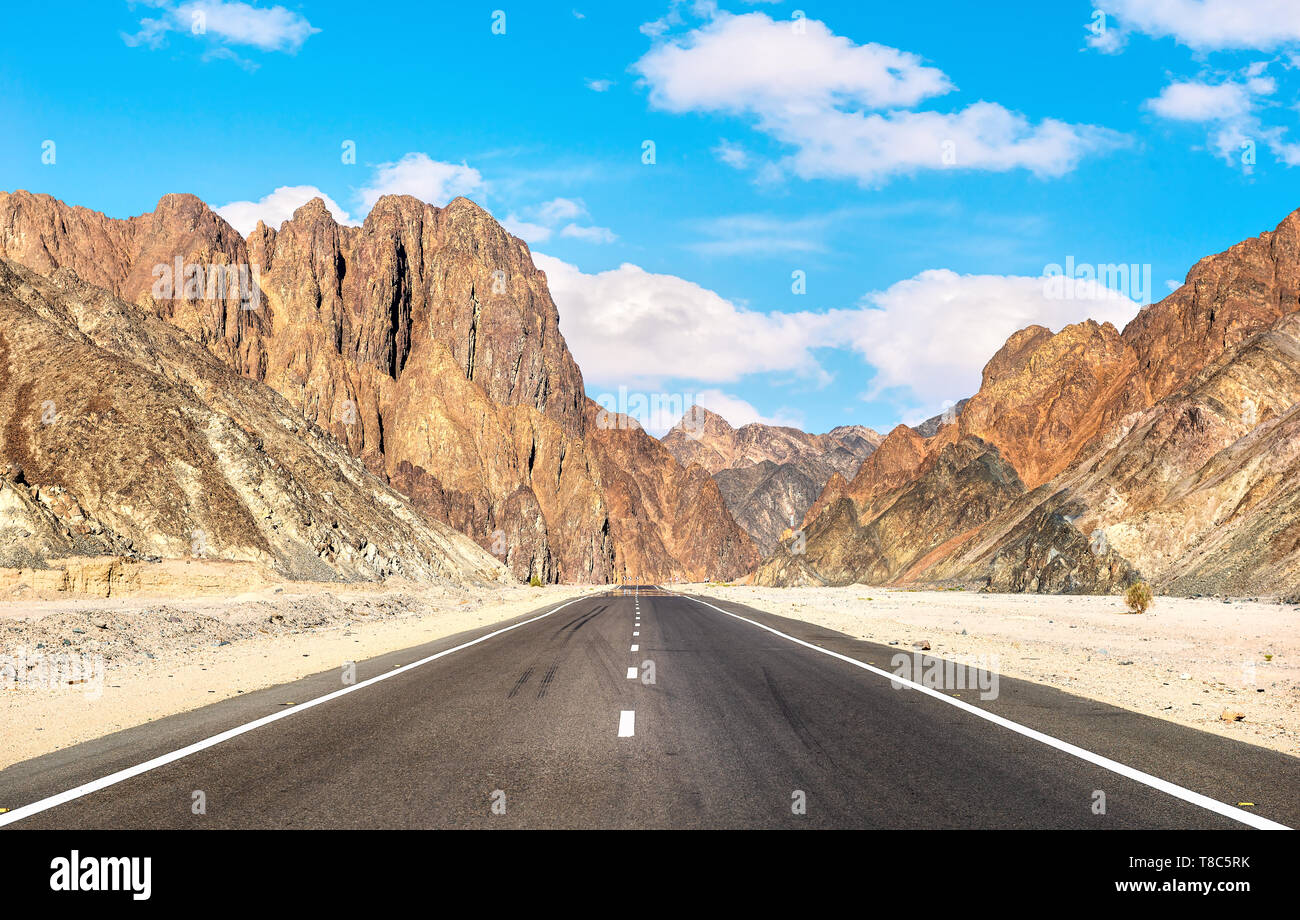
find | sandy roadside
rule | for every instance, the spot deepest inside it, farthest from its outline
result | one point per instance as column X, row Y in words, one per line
column 160, row 657
column 1186, row 660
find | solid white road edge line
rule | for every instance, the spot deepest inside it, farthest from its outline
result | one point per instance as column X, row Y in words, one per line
column 26, row 811
column 626, row 723
column 1146, row 779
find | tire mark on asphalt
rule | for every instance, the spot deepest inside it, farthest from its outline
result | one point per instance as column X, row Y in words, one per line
column 523, row 679
column 546, row 680
column 800, row 728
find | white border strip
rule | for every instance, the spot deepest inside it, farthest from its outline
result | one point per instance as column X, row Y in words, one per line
column 112, row 779
column 1146, row 779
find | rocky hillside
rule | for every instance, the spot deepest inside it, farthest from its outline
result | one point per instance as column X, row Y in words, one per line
column 768, row 475
column 125, row 437
column 1166, row 451
column 425, row 341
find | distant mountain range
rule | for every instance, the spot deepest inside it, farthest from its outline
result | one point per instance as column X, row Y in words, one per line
column 353, row 402
column 769, row 475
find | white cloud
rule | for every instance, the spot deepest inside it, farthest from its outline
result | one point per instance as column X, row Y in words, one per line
column 1231, row 108
column 526, row 230
column 731, row 154
column 599, row 86
column 539, row 223
column 982, row 136
column 927, row 338
column 932, row 334
column 231, row 23
column 816, row 91
column 739, row 412
column 277, row 207
column 627, row 326
column 419, row 175
column 558, row 209
column 589, row 234
column 1195, row 101
column 1205, row 25
column 752, row 63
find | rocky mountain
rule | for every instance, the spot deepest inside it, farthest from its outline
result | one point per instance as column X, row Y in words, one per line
column 425, row 341
column 661, row 509
column 125, row 437
column 930, row 427
column 1166, row 452
column 768, row 475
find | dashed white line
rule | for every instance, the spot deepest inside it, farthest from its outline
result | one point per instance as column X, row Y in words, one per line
column 1146, row 779
column 631, row 673
column 635, row 647
column 626, row 723
column 635, row 633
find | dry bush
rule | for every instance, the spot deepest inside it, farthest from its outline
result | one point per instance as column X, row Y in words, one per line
column 1139, row 597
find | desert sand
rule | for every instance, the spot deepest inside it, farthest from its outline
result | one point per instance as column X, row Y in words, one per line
column 1185, row 660
column 157, row 657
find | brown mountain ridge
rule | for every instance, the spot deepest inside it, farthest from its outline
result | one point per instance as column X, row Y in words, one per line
column 426, row 343
column 1164, row 452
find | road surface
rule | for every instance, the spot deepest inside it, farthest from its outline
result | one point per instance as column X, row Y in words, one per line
column 647, row 709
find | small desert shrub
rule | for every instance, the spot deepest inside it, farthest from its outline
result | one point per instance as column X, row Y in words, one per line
column 1138, row 597
column 534, row 582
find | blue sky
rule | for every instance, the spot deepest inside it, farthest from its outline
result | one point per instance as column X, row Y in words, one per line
column 918, row 173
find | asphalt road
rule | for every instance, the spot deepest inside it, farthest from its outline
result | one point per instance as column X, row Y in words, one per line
column 652, row 710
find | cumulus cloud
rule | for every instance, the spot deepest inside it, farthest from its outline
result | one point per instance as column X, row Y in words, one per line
column 927, row 338
column 226, row 22
column 277, row 207
column 739, row 412
column 423, row 177
column 527, row 231
column 932, row 334
column 1230, row 107
column 845, row 108
column 589, row 234
column 1204, row 25
column 1192, row 100
column 752, row 63
column 558, row 209
column 628, row 326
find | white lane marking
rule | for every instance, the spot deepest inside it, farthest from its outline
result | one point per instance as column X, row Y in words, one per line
column 635, row 647
column 112, row 779
column 631, row 673
column 635, row 633
column 1146, row 779
column 626, row 723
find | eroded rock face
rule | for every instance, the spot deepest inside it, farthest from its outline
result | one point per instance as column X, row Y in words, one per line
column 767, row 499
column 704, row 437
column 769, row 475
column 1166, row 452
column 966, row 486
column 425, row 341
column 660, row 510
column 125, row 437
